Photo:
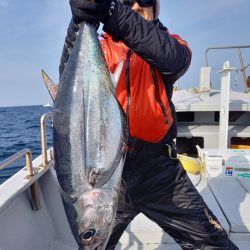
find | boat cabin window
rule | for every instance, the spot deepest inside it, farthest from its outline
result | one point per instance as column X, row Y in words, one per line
column 185, row 116
column 233, row 116
column 240, row 143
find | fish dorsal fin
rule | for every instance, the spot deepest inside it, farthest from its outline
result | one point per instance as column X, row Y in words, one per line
column 116, row 76
column 51, row 86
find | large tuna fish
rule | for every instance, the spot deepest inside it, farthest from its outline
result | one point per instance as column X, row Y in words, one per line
column 89, row 142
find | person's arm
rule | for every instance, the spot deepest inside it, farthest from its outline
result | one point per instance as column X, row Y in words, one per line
column 150, row 40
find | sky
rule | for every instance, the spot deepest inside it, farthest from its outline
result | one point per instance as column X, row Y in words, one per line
column 32, row 33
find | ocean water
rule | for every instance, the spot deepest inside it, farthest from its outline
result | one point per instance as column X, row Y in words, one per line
column 19, row 129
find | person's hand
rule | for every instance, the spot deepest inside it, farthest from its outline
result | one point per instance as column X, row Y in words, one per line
column 92, row 11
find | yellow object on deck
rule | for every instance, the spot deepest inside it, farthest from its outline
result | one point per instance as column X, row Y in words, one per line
column 236, row 146
column 190, row 164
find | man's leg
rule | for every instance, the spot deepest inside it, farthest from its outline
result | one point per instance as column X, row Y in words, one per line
column 168, row 197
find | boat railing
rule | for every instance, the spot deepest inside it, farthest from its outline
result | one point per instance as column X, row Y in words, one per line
column 26, row 152
column 33, row 188
column 17, row 156
column 243, row 66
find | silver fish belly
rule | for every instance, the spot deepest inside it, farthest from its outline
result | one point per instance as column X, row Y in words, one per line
column 89, row 142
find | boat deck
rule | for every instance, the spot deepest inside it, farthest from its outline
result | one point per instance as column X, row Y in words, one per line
column 47, row 228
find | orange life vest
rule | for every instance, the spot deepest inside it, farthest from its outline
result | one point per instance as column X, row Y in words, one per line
column 149, row 113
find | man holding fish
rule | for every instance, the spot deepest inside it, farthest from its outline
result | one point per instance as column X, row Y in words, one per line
column 153, row 181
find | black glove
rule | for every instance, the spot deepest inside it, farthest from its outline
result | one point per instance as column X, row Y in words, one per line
column 92, row 11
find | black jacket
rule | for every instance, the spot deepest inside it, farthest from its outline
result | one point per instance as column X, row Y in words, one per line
column 151, row 40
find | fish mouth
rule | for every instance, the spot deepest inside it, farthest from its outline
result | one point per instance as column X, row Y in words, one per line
column 90, row 248
column 98, row 247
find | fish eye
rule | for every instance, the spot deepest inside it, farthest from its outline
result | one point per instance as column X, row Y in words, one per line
column 88, row 235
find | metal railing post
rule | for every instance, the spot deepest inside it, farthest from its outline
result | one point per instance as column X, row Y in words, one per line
column 44, row 139
column 29, row 165
column 224, row 105
column 34, row 191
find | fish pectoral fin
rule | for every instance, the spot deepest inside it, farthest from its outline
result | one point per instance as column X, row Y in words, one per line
column 98, row 177
column 117, row 74
column 118, row 71
column 94, row 176
column 51, row 86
